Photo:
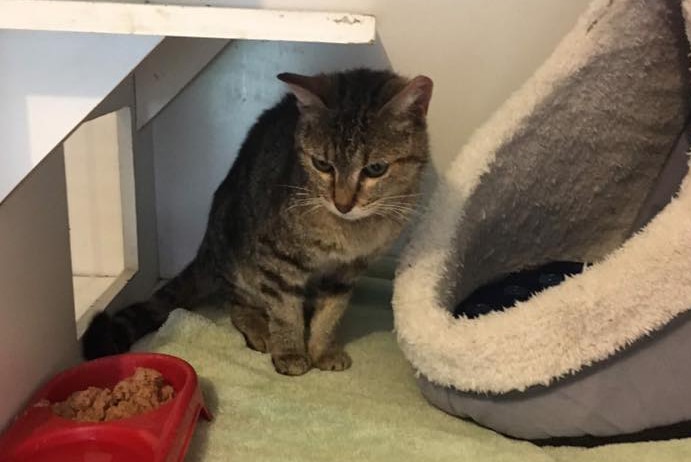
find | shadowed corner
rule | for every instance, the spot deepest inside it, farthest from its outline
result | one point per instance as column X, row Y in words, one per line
column 374, row 295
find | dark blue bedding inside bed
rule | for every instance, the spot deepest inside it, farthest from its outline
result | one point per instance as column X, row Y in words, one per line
column 516, row 287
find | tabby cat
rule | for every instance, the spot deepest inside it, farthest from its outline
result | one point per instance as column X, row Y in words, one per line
column 324, row 182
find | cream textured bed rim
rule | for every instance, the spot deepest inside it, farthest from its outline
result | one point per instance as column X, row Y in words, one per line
column 635, row 291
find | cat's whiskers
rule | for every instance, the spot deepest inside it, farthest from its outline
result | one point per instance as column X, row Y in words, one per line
column 303, row 197
column 400, row 196
column 403, row 211
column 312, row 210
column 399, row 209
column 386, row 215
column 397, row 213
column 292, row 186
column 299, row 203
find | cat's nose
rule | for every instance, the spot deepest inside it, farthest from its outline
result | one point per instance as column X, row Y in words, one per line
column 344, row 207
column 344, row 194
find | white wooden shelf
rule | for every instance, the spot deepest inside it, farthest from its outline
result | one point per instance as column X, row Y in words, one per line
column 132, row 17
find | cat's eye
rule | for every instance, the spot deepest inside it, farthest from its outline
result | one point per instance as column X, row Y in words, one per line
column 322, row 165
column 375, row 169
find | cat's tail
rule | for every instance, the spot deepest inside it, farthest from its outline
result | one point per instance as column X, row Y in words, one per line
column 113, row 334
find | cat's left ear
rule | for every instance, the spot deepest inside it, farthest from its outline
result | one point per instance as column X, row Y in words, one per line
column 309, row 91
column 414, row 97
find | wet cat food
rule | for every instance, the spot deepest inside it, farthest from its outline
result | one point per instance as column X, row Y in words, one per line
column 143, row 391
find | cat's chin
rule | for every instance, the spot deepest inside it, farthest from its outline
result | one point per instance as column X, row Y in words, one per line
column 352, row 217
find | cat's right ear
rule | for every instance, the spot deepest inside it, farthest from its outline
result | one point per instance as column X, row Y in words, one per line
column 413, row 97
column 309, row 91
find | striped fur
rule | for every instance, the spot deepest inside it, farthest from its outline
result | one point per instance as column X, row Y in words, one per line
column 285, row 239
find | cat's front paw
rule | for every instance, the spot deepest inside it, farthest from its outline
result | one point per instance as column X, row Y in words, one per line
column 291, row 363
column 334, row 360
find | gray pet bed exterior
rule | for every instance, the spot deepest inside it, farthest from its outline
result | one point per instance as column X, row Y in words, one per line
column 645, row 387
column 567, row 169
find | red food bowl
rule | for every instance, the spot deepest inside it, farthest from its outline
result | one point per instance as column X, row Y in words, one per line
column 160, row 435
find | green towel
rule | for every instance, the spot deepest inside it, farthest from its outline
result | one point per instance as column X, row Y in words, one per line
column 372, row 412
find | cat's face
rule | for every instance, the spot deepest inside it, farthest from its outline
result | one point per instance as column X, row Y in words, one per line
column 364, row 151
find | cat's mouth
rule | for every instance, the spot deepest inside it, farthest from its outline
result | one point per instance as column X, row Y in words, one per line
column 354, row 214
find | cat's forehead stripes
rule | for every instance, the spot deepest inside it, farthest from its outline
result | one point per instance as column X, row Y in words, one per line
column 352, row 108
column 348, row 140
column 349, row 122
column 359, row 91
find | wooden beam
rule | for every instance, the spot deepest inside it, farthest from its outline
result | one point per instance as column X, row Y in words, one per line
column 186, row 21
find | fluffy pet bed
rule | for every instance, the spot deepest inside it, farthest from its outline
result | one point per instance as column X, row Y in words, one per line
column 565, row 171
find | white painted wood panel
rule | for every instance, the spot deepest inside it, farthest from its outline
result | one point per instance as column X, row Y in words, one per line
column 93, row 294
column 128, row 196
column 102, row 211
column 186, row 21
column 87, row 290
column 92, row 167
column 168, row 69
column 37, row 329
column 50, row 82
column 139, row 222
